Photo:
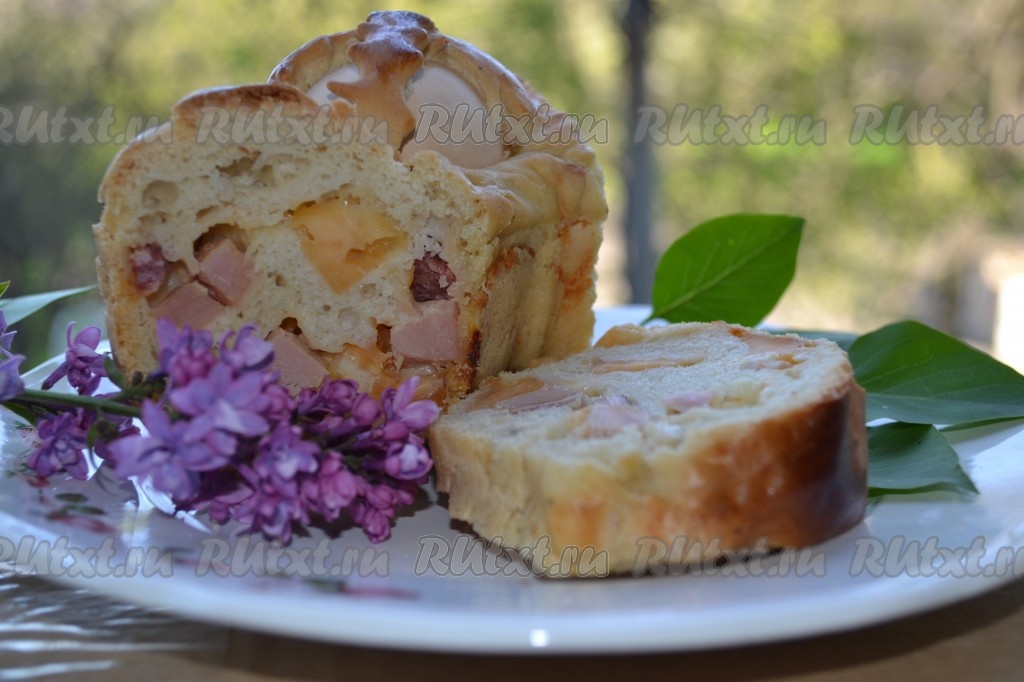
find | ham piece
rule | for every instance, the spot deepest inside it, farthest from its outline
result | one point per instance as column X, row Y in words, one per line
column 190, row 304
column 546, row 396
column 433, row 336
column 608, row 418
column 298, row 365
column 681, row 402
column 528, row 393
column 223, row 268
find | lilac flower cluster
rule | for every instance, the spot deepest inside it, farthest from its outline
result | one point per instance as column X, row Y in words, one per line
column 222, row 434
column 66, row 431
column 83, row 366
column 11, row 384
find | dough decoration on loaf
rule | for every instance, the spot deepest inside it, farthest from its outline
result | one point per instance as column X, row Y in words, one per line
column 375, row 257
column 712, row 437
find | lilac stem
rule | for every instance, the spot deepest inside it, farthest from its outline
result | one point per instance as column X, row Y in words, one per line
column 35, row 398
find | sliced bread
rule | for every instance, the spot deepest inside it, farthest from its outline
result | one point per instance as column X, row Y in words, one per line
column 709, row 437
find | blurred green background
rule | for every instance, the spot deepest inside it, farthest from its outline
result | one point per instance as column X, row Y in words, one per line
column 931, row 231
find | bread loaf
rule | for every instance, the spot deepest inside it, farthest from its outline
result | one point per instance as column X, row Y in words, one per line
column 318, row 207
column 711, row 434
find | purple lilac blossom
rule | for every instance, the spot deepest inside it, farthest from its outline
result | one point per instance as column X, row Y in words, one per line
column 409, row 461
column 11, row 385
column 375, row 508
column 405, row 454
column 248, row 353
column 328, row 410
column 221, row 401
column 398, row 404
column 275, row 477
column 183, row 354
column 168, row 454
column 283, row 454
column 82, row 365
column 220, row 491
column 333, row 488
column 280, row 405
column 62, row 440
column 273, row 506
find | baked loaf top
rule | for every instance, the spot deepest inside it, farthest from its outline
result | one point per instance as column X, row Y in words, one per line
column 708, row 437
column 396, row 69
column 360, row 251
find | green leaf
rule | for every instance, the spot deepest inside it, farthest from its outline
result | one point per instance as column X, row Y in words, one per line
column 733, row 268
column 24, row 413
column 966, row 426
column 16, row 309
column 3, row 287
column 913, row 373
column 912, row 458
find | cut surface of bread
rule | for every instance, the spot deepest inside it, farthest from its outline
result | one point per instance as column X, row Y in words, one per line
column 359, row 249
column 708, row 437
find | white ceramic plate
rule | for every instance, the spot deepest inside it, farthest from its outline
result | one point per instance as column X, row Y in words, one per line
column 433, row 587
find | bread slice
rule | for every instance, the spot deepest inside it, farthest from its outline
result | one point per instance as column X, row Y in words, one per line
column 699, row 438
column 361, row 250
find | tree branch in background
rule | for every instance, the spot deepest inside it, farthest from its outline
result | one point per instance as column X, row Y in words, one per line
column 638, row 159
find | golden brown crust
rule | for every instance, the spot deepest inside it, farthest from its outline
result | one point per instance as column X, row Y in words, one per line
column 187, row 117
